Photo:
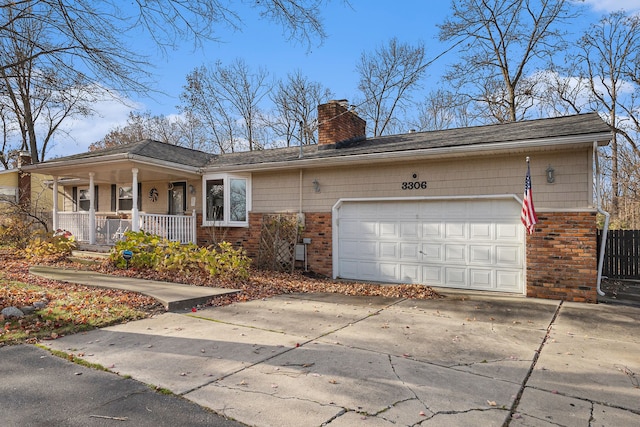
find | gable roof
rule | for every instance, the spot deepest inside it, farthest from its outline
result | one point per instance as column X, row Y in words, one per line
column 583, row 128
column 148, row 149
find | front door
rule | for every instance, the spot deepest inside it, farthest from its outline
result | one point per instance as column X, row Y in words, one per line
column 177, row 198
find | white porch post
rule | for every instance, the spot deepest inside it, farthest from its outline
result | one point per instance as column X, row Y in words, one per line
column 92, row 210
column 55, row 204
column 135, row 215
column 194, row 228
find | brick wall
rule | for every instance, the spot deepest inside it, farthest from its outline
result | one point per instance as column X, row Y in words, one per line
column 338, row 124
column 562, row 257
column 317, row 228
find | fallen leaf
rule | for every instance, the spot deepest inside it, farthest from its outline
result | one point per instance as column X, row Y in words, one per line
column 491, row 402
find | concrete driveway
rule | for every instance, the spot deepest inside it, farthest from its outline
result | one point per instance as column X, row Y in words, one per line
column 324, row 359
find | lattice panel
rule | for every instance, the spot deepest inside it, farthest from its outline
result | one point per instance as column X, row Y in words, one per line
column 278, row 238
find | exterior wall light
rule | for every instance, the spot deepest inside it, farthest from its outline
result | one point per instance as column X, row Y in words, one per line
column 551, row 175
column 316, row 185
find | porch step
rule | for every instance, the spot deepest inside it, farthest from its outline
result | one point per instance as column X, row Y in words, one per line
column 88, row 257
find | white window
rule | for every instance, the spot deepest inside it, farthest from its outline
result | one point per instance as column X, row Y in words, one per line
column 227, row 200
column 84, row 199
column 125, row 198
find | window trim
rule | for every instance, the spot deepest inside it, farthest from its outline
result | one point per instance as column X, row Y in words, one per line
column 226, row 182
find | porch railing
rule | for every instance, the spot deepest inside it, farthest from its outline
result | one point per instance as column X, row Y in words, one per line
column 181, row 228
column 177, row 228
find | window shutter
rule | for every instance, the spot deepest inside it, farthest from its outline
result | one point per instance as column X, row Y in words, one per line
column 74, row 198
column 113, row 197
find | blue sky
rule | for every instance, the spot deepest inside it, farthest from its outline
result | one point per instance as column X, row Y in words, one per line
column 351, row 30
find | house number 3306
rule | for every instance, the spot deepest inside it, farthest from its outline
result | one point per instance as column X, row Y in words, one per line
column 414, row 185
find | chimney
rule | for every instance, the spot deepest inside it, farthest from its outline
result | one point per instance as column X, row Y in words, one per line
column 24, row 180
column 337, row 123
column 24, row 158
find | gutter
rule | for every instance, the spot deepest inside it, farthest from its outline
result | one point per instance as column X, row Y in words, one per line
column 605, row 227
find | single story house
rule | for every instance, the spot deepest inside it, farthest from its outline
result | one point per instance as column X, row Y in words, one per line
column 440, row 208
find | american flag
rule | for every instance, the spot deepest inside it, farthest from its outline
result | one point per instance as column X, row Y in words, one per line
column 528, row 216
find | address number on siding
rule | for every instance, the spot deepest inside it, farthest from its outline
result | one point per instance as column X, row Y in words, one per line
column 414, row 185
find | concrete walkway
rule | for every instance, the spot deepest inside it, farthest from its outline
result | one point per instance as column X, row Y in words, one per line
column 173, row 296
column 331, row 360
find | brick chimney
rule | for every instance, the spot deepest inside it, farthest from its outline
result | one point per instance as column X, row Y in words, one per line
column 24, row 180
column 337, row 123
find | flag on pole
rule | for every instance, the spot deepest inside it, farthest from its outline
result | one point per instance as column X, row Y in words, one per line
column 528, row 216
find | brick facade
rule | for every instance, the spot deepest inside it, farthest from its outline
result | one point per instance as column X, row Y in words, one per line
column 561, row 254
column 317, row 228
column 562, row 257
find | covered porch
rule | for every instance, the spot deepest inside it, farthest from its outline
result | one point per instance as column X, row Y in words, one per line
column 146, row 186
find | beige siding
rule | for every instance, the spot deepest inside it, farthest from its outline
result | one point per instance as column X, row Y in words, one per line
column 9, row 179
column 280, row 191
column 161, row 206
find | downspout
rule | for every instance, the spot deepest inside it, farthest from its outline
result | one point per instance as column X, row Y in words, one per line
column 605, row 227
column 300, row 195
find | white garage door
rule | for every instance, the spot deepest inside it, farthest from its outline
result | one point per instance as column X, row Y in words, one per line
column 473, row 244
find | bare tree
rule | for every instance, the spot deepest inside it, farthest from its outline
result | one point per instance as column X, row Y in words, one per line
column 610, row 54
column 296, row 101
column 141, row 126
column 90, row 36
column 388, row 77
column 442, row 109
column 37, row 95
column 500, row 40
column 227, row 100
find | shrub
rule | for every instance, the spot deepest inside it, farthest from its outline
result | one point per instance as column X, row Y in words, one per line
column 56, row 245
column 15, row 232
column 153, row 252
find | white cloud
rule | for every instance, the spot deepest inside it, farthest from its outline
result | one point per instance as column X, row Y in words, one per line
column 614, row 5
column 77, row 133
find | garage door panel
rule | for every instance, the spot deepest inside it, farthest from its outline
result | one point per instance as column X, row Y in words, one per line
column 455, row 230
column 476, row 244
column 456, row 277
column 432, row 230
column 455, row 253
column 432, row 275
column 409, row 230
column 368, row 271
column 481, row 254
column 481, row 231
column 355, row 249
column 410, row 273
column 410, row 251
column 509, row 232
column 389, row 250
column 389, row 230
column 432, row 253
column 389, row 272
column 508, row 280
column 508, row 256
column 481, row 278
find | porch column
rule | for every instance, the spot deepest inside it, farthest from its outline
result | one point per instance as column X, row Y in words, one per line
column 54, row 217
column 92, row 210
column 135, row 215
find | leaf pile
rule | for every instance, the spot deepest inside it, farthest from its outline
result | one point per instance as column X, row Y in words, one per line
column 69, row 308
column 72, row 308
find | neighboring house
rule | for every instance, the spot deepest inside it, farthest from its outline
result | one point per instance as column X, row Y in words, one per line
column 30, row 192
column 440, row 208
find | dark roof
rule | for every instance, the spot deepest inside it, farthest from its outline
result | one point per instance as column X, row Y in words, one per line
column 150, row 149
column 524, row 131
